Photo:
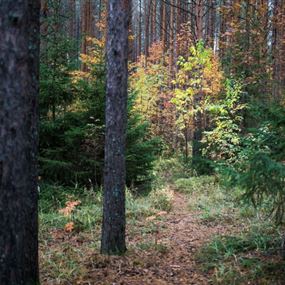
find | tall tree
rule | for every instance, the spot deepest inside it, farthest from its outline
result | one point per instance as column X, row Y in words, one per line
column 19, row 60
column 114, row 222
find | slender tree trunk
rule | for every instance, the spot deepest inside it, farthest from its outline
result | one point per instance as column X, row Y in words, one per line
column 198, row 126
column 171, row 38
column 154, row 20
column 186, row 144
column 140, row 29
column 163, row 27
column 19, row 73
column 87, row 27
column 147, row 30
column 114, row 223
column 278, row 50
column 198, row 117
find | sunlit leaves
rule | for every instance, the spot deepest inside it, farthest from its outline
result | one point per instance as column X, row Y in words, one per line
column 224, row 141
column 199, row 75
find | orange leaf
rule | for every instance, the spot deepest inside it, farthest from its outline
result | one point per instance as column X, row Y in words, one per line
column 69, row 227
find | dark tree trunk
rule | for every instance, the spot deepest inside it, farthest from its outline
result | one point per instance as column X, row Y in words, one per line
column 198, row 131
column 140, row 28
column 147, row 31
column 19, row 55
column 113, row 230
column 186, row 143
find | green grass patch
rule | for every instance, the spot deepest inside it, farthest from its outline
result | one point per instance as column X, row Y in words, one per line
column 252, row 256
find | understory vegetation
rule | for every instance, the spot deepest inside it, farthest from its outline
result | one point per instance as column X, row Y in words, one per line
column 245, row 246
column 250, row 250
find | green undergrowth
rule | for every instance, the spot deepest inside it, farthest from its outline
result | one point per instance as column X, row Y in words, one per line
column 248, row 251
column 250, row 257
column 88, row 213
column 65, row 255
column 213, row 203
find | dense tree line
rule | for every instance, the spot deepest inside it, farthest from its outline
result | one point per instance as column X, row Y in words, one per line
column 246, row 36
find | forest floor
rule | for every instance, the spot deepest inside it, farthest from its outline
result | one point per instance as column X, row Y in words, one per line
column 169, row 252
column 164, row 248
column 164, row 255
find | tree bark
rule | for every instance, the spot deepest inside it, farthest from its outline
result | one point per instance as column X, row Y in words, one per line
column 19, row 73
column 171, row 39
column 140, row 29
column 278, row 50
column 163, row 27
column 147, row 30
column 114, row 221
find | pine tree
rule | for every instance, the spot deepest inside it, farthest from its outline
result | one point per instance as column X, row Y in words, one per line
column 114, row 223
column 19, row 73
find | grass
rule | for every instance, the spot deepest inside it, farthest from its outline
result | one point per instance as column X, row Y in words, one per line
column 246, row 258
column 247, row 252
column 62, row 253
column 250, row 254
column 213, row 203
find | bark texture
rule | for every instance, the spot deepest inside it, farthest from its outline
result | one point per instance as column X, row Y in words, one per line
column 19, row 48
column 113, row 231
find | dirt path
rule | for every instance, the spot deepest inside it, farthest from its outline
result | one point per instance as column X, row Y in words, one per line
column 170, row 260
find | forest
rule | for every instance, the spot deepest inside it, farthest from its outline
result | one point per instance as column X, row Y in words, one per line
column 142, row 142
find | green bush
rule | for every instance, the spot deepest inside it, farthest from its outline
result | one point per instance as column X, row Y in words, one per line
column 264, row 184
column 142, row 151
column 241, row 258
column 161, row 199
column 167, row 170
column 199, row 184
column 259, row 170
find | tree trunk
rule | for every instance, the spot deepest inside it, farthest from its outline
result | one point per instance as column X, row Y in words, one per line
column 87, row 27
column 140, row 29
column 113, row 230
column 278, row 50
column 147, row 32
column 171, row 40
column 163, row 27
column 154, row 11
column 198, row 125
column 19, row 73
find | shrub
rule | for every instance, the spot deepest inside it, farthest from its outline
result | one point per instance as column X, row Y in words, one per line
column 199, row 184
column 161, row 199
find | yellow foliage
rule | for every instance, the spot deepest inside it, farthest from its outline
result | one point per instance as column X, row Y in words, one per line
column 199, row 76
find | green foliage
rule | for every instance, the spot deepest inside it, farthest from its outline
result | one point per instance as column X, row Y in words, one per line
column 70, row 149
column 195, row 184
column 147, row 83
column 198, row 74
column 223, row 142
column 263, row 183
column 197, row 81
column 167, row 170
column 162, row 199
column 142, row 151
column 241, row 258
column 57, row 60
column 259, row 169
column 72, row 104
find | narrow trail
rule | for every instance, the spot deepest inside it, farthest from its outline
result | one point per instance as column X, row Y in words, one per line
column 184, row 233
column 181, row 233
